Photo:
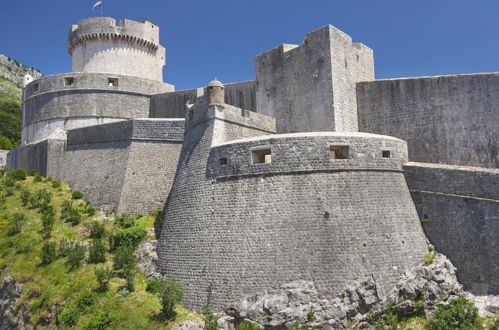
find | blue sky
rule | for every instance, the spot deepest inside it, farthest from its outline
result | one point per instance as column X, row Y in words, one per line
column 219, row 38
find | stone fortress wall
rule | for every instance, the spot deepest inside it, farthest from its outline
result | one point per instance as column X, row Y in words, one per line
column 55, row 104
column 249, row 209
column 98, row 45
column 446, row 119
column 461, row 208
column 252, row 213
column 126, row 166
column 319, row 75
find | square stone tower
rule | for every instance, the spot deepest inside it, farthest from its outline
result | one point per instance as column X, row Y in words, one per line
column 312, row 87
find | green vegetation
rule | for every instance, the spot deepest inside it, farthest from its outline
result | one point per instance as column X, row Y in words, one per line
column 210, row 320
column 76, row 194
column 459, row 314
column 246, row 325
column 429, row 258
column 10, row 121
column 171, row 294
column 61, row 254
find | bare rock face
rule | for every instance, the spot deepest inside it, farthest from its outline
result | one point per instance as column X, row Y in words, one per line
column 11, row 316
column 419, row 290
column 147, row 259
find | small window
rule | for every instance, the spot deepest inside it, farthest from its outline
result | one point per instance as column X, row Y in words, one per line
column 35, row 87
column 112, row 82
column 69, row 81
column 223, row 161
column 263, row 156
column 385, row 153
column 338, row 152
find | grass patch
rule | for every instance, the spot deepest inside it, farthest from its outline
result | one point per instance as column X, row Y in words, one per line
column 50, row 281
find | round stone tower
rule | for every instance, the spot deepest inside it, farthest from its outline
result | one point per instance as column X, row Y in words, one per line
column 132, row 48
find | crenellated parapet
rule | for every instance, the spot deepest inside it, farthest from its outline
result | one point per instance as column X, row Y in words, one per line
column 99, row 45
column 144, row 33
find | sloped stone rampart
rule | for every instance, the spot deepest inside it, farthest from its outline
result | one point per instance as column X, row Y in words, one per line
column 125, row 167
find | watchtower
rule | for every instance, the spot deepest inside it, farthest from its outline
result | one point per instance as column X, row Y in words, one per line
column 132, row 48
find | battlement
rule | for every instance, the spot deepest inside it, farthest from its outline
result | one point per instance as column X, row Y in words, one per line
column 131, row 48
column 144, row 33
column 307, row 152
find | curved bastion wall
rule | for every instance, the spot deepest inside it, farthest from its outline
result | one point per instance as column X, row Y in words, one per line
column 251, row 214
column 132, row 48
column 55, row 104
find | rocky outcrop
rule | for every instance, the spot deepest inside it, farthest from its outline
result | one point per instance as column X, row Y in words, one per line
column 13, row 72
column 147, row 259
column 418, row 292
column 12, row 315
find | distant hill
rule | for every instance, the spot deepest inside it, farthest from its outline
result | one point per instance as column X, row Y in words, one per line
column 11, row 79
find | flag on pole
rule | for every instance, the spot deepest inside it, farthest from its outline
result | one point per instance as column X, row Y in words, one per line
column 98, row 4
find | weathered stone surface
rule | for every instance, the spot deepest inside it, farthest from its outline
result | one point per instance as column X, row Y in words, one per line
column 461, row 205
column 420, row 289
column 147, row 259
column 11, row 316
column 234, row 225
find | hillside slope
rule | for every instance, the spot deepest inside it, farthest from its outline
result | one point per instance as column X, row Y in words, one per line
column 11, row 78
column 53, row 246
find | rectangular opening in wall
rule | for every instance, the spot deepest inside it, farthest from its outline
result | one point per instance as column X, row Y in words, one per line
column 69, row 81
column 338, row 152
column 35, row 88
column 223, row 161
column 112, row 82
column 261, row 156
column 385, row 153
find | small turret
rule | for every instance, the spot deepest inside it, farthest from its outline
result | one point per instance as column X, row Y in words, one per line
column 27, row 79
column 216, row 94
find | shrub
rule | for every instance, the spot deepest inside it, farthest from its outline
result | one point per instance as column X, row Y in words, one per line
column 69, row 316
column 428, row 259
column 97, row 230
column 128, row 274
column 76, row 194
column 69, row 213
column 129, row 237
column 37, row 178
column 48, row 254
column 171, row 294
column 459, row 314
column 123, row 257
column 17, row 175
column 25, row 196
column 44, row 196
column 210, row 320
column 48, row 221
column 86, row 299
column 90, row 210
column 32, row 172
column 246, row 325
column 9, row 191
column 311, row 315
column 56, row 183
column 99, row 321
column 75, row 256
column 154, row 286
column 103, row 276
column 125, row 220
column 16, row 224
column 96, row 252
column 65, row 246
column 47, row 209
column 158, row 217
column 34, row 201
